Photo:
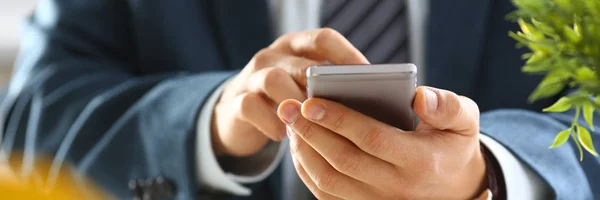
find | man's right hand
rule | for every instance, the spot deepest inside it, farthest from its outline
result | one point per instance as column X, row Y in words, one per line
column 245, row 117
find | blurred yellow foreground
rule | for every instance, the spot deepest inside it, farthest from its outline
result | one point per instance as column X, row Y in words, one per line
column 16, row 186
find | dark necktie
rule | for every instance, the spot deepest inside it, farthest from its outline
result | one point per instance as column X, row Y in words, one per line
column 378, row 28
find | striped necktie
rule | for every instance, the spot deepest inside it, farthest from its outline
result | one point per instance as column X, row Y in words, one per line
column 378, row 28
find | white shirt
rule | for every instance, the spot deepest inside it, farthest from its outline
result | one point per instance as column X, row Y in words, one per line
column 300, row 15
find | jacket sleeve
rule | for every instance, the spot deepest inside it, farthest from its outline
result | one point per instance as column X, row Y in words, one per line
column 529, row 134
column 78, row 97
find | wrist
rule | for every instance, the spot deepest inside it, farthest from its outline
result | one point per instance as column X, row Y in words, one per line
column 467, row 184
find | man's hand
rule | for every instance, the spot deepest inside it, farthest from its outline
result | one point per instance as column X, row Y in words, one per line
column 245, row 117
column 342, row 154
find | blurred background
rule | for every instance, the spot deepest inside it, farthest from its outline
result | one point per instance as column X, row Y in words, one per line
column 12, row 16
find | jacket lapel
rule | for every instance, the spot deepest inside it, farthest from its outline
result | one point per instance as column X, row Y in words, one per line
column 456, row 35
column 243, row 29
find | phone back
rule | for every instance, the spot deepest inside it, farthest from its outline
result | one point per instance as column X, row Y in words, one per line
column 386, row 97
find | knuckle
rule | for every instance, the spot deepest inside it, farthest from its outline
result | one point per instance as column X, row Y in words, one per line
column 328, row 34
column 283, row 39
column 300, row 67
column 338, row 121
column 307, row 131
column 326, row 182
column 325, row 34
column 261, row 58
column 346, row 161
column 294, row 149
column 247, row 103
column 473, row 105
column 328, row 31
column 305, row 63
column 373, row 140
column 273, row 77
column 452, row 104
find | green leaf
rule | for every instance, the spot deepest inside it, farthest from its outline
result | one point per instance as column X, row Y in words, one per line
column 588, row 114
column 579, row 98
column 525, row 27
column 565, row 5
column 561, row 138
column 563, row 104
column 517, row 36
column 536, row 58
column 571, row 34
column 586, row 140
column 541, row 47
column 537, row 62
column 526, row 56
column 552, row 84
column 548, row 90
column 537, row 66
column 542, row 26
column 530, row 31
column 585, row 74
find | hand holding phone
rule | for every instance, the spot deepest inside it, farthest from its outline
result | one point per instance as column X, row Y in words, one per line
column 384, row 92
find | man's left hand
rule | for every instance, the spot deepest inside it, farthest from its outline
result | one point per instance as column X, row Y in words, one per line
column 340, row 153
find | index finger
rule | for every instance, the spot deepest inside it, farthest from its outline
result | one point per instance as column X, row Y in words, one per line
column 374, row 137
column 321, row 44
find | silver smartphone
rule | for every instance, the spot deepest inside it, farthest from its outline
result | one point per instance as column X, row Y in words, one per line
column 383, row 91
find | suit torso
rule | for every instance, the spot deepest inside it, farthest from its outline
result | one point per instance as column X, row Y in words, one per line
column 87, row 75
column 468, row 48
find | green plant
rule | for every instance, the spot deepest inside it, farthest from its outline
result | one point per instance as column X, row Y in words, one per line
column 564, row 39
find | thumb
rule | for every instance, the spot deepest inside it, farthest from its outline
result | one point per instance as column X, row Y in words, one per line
column 444, row 110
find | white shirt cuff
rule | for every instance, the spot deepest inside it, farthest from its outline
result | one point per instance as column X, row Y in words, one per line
column 520, row 181
column 251, row 169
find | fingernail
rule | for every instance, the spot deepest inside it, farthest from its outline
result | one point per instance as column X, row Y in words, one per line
column 290, row 113
column 431, row 100
column 315, row 112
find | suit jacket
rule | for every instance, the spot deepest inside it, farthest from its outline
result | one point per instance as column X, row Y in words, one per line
column 113, row 87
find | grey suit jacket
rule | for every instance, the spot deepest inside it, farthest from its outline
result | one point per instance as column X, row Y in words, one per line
column 113, row 88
